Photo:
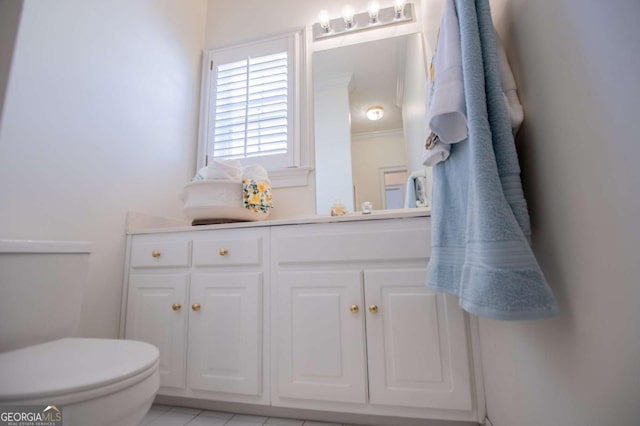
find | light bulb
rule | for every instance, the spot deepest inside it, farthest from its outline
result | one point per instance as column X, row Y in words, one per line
column 325, row 21
column 398, row 7
column 374, row 10
column 347, row 15
column 375, row 113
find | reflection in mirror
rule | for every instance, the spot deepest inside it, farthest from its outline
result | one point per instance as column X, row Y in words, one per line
column 359, row 159
column 393, row 181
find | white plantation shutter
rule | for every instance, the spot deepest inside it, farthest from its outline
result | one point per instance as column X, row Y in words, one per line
column 250, row 118
column 251, row 105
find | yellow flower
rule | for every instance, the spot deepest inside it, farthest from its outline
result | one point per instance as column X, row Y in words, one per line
column 261, row 187
column 255, row 199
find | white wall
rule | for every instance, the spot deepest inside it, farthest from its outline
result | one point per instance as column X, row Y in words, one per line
column 371, row 152
column 100, row 118
column 234, row 21
column 414, row 102
column 333, row 155
column 414, row 108
column 577, row 67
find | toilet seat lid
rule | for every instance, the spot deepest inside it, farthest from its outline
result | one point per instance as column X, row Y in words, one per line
column 71, row 365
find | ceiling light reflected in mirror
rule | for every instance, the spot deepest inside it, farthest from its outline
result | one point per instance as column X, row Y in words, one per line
column 375, row 113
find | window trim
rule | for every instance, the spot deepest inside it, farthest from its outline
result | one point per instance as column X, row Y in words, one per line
column 297, row 172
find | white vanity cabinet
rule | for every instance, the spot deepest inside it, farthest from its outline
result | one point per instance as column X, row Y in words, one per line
column 331, row 316
column 157, row 302
column 319, row 352
column 225, row 333
column 197, row 296
column 355, row 327
column 417, row 351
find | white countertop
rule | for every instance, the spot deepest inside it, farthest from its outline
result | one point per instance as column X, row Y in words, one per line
column 138, row 223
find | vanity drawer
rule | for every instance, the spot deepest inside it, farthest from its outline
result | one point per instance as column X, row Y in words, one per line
column 405, row 240
column 160, row 253
column 227, row 252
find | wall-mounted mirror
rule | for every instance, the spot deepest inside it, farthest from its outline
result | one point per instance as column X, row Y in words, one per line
column 359, row 159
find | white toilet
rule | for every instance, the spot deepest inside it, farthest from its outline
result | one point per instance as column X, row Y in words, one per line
column 93, row 381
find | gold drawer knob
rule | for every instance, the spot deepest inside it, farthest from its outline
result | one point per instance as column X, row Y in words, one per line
column 223, row 252
column 374, row 309
column 155, row 254
column 354, row 309
column 195, row 307
column 176, row 306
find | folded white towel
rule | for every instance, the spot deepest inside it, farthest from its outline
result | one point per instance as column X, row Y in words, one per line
column 220, row 169
column 224, row 169
column 255, row 172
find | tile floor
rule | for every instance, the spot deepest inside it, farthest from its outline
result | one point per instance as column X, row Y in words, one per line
column 163, row 415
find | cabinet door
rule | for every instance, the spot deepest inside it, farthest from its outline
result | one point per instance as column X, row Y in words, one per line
column 416, row 343
column 320, row 341
column 156, row 313
column 225, row 343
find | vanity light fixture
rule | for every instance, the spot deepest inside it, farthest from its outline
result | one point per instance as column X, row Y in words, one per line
column 325, row 21
column 375, row 113
column 347, row 15
column 374, row 10
column 398, row 8
column 400, row 13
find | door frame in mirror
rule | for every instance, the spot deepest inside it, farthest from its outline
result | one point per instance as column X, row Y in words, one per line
column 383, row 187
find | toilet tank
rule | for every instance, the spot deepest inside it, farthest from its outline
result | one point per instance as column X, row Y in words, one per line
column 41, row 285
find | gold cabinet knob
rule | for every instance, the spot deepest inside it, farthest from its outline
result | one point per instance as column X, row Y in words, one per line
column 176, row 306
column 374, row 309
column 354, row 309
column 195, row 306
column 223, row 252
column 155, row 254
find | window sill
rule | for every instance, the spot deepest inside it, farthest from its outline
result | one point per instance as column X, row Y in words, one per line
column 289, row 177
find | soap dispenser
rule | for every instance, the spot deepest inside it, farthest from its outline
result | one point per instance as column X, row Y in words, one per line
column 338, row 209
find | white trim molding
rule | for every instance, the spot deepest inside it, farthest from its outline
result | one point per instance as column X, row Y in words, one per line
column 289, row 177
column 378, row 134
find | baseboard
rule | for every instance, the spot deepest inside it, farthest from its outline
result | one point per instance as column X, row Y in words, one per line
column 295, row 413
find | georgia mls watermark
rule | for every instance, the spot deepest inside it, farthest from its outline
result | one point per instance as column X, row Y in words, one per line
column 30, row 415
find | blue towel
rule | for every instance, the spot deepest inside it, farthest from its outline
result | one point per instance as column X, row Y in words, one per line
column 481, row 233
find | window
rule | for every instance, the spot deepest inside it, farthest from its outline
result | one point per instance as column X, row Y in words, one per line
column 250, row 116
column 251, row 104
